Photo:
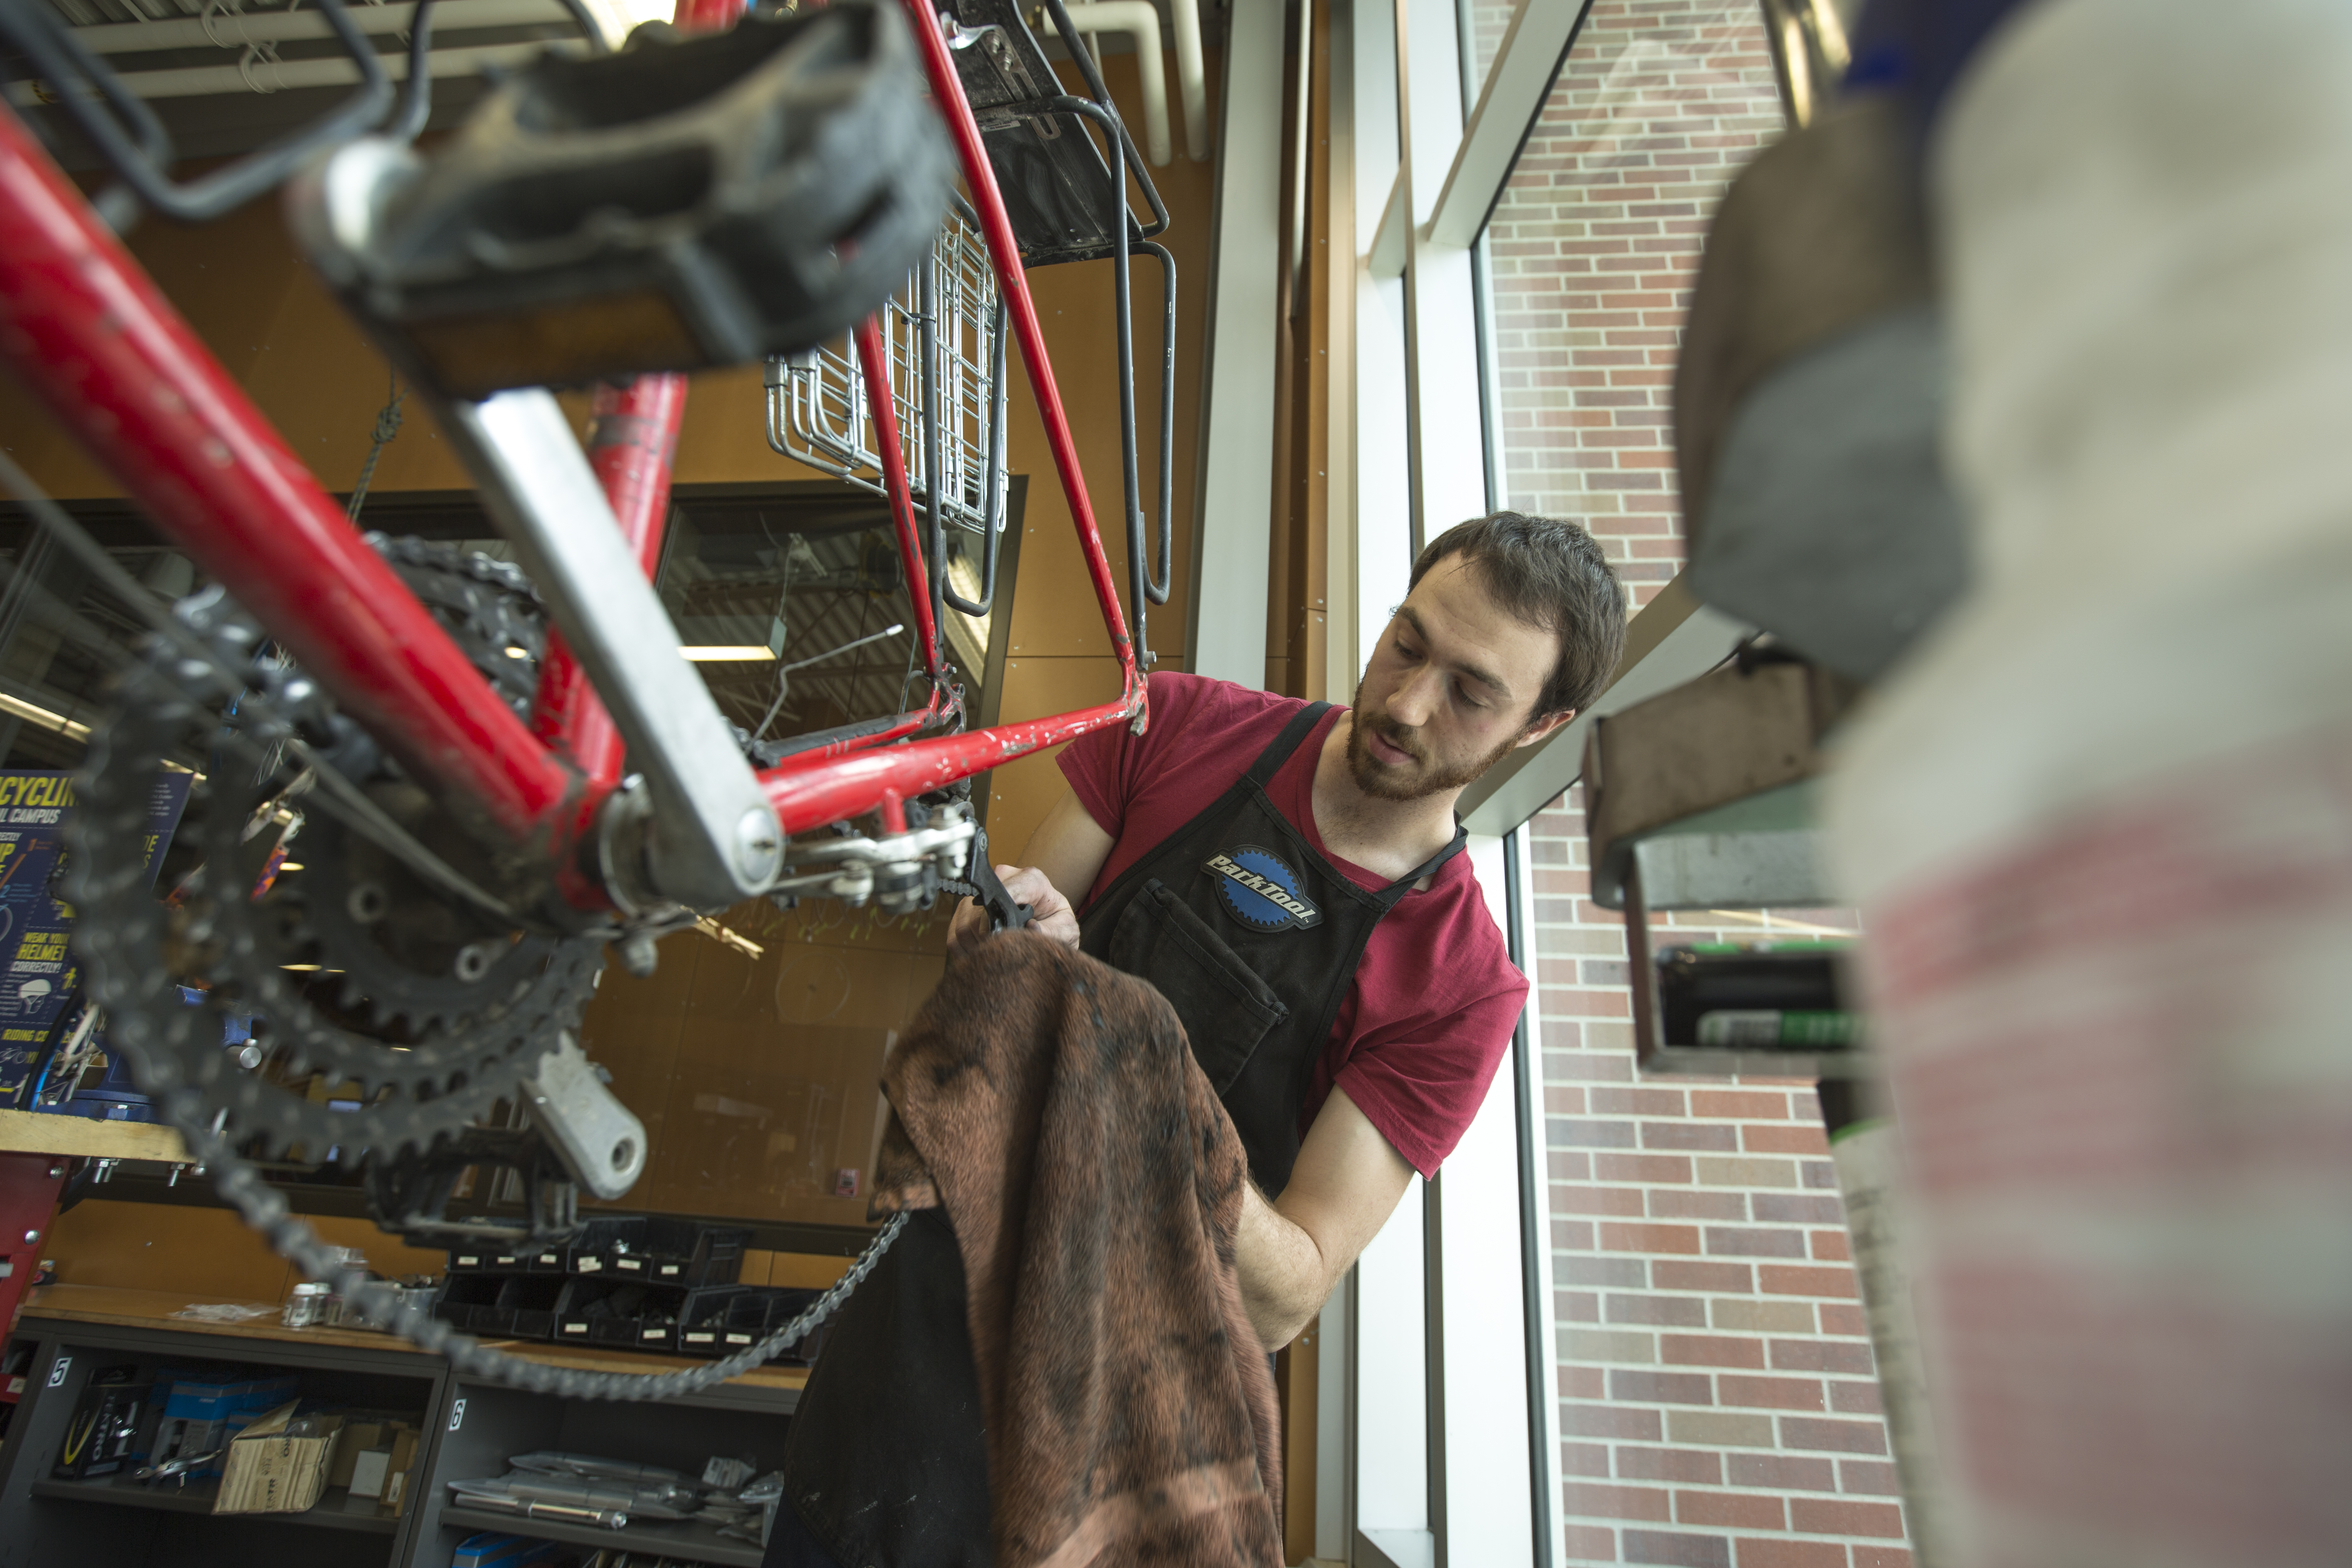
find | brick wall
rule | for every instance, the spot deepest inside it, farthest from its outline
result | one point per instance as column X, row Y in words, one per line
column 1719, row 1405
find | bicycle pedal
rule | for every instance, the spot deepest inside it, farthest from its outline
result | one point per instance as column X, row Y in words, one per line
column 672, row 208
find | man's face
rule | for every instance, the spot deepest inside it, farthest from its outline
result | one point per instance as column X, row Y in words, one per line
column 1452, row 688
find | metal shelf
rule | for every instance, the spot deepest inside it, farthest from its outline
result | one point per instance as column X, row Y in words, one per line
column 686, row 1539
column 338, row 1509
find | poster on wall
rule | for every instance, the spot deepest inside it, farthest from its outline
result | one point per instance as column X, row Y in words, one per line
column 37, row 972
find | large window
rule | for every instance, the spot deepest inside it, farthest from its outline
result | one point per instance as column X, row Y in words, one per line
column 1718, row 1396
column 1710, row 1396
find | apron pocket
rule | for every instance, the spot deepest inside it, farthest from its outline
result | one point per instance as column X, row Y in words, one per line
column 1225, row 1007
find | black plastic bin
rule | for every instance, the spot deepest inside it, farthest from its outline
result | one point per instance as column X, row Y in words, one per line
column 702, row 1319
column 528, row 1303
column 688, row 1252
column 609, row 1246
column 761, row 1312
column 463, row 1296
column 483, row 1261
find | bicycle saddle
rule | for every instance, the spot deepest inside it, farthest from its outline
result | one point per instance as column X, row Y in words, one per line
column 677, row 206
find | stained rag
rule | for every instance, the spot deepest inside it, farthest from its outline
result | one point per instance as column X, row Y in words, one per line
column 1051, row 1105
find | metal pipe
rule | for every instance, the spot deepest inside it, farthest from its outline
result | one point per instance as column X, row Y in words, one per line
column 264, row 77
column 1192, row 76
column 226, row 30
column 1139, row 20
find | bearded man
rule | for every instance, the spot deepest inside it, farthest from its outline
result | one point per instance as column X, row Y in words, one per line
column 1289, row 874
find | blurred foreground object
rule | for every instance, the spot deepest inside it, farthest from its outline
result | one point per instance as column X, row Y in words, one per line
column 2101, row 826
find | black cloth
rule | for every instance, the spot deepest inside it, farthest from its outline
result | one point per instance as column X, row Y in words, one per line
column 1254, row 937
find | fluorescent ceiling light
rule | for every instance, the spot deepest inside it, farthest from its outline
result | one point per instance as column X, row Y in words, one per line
column 729, row 653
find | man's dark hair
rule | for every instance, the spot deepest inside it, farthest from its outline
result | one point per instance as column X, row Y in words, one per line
column 1551, row 574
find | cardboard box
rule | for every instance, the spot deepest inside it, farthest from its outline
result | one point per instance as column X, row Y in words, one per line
column 369, row 1469
column 279, row 1464
column 402, row 1465
column 359, row 1437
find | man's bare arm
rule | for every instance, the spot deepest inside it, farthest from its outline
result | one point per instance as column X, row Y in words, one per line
column 1345, row 1186
column 1063, row 858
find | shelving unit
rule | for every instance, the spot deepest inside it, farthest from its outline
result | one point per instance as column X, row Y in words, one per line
column 470, row 1429
column 684, row 1538
column 338, row 1509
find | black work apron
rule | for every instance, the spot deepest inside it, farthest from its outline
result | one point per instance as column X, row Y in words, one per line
column 1254, row 938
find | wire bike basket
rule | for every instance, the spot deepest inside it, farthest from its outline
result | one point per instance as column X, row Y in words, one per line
column 943, row 337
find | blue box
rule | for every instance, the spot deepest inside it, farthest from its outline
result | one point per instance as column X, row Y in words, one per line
column 490, row 1551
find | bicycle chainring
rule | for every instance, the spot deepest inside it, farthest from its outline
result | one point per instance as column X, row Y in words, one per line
column 394, row 1015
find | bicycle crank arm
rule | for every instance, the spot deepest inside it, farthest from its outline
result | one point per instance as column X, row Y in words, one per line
column 710, row 836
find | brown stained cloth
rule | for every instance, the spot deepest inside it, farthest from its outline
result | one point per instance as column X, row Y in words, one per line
column 1051, row 1106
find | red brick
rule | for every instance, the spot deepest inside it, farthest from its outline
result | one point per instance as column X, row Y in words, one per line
column 1636, row 1101
column 1663, row 1312
column 1724, row 1278
column 1648, row 1238
column 1680, row 1551
column 1783, row 1472
column 1869, row 1476
column 1702, row 1465
column 1586, row 1543
column 1813, row 1355
column 1753, row 1241
column 1689, row 1135
column 1636, row 1424
column 1592, row 1500
column 1797, row 1138
column 1751, row 1105
column 1834, row 1437
column 1669, row 1204
column 1789, row 1279
column 1856, row 1398
column 1770, row 1393
column 1881, row 1557
column 1660, row 1387
column 1623, row 1202
column 1831, row 1246
column 1755, row 1554
column 1711, row 1349
column 1742, row 1511
column 1656, row 1169
column 1573, row 1132
column 1584, row 1459
column 1850, row 1321
column 1622, row 1273
column 1825, row 1515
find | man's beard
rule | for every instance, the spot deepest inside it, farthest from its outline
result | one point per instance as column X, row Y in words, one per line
column 1382, row 782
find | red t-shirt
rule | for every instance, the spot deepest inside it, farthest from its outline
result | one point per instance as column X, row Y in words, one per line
column 1435, row 998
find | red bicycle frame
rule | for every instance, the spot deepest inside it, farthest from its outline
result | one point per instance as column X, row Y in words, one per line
column 94, row 338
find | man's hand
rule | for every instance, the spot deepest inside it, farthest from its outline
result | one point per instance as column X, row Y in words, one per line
column 1050, row 914
column 1067, row 851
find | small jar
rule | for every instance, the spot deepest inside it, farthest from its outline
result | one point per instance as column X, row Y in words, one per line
column 304, row 1308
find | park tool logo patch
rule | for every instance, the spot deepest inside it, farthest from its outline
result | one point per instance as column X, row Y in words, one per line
column 1260, row 891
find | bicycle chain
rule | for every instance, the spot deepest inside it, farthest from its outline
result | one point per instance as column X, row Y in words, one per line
column 124, row 938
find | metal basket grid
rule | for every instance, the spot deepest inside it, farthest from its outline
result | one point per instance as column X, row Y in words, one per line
column 818, row 412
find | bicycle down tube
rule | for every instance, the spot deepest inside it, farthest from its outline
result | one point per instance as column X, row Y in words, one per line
column 97, row 342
